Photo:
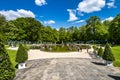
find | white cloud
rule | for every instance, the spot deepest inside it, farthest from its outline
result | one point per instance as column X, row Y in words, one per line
column 109, row 19
column 49, row 22
column 89, row 6
column 40, row 2
column 80, row 21
column 111, row 4
column 72, row 15
column 11, row 15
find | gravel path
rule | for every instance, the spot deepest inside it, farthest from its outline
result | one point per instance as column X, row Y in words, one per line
column 67, row 69
column 37, row 54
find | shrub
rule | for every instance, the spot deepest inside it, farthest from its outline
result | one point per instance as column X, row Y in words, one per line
column 35, row 47
column 108, row 53
column 95, row 47
column 85, row 46
column 100, row 52
column 22, row 54
column 7, row 71
column 26, row 47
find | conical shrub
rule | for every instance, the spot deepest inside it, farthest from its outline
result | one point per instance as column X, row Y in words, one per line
column 7, row 71
column 22, row 54
column 100, row 52
column 108, row 56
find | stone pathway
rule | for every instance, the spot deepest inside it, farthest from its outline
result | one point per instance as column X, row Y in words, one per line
column 67, row 69
column 37, row 54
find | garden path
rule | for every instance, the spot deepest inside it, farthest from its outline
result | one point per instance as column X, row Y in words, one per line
column 37, row 54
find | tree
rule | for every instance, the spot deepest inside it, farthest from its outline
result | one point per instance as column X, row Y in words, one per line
column 107, row 23
column 76, row 34
column 47, row 34
column 22, row 54
column 114, row 30
column 2, row 26
column 11, row 31
column 55, row 36
column 95, row 30
column 6, row 69
column 91, row 24
column 2, row 19
column 25, row 29
column 108, row 56
column 83, row 33
column 100, row 52
column 62, row 35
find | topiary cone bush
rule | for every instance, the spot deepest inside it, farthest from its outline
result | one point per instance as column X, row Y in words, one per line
column 22, row 54
column 108, row 56
column 7, row 71
column 100, row 52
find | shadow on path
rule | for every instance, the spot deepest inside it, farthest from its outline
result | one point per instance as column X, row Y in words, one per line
column 114, row 77
column 98, row 63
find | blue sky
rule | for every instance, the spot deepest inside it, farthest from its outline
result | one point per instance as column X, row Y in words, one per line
column 60, row 13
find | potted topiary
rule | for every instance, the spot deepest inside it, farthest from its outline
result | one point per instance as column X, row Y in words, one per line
column 95, row 47
column 108, row 56
column 100, row 53
column 21, row 57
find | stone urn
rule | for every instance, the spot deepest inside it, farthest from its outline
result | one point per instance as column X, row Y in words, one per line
column 108, row 63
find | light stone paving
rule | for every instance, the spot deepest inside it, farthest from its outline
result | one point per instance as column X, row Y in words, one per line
column 37, row 54
column 67, row 69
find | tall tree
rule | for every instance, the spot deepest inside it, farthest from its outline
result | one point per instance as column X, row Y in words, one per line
column 2, row 26
column 91, row 24
column 62, row 35
column 114, row 30
column 83, row 34
column 95, row 29
column 28, row 28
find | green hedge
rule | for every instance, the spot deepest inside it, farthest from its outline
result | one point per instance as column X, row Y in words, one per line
column 100, row 52
column 22, row 54
column 7, row 71
column 108, row 53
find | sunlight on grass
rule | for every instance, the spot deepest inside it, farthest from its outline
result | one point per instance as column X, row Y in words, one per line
column 116, row 52
column 12, row 55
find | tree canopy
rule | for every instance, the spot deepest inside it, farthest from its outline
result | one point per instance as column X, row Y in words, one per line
column 30, row 29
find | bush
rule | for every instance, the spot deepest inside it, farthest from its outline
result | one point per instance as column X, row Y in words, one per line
column 35, row 47
column 95, row 47
column 7, row 71
column 26, row 47
column 85, row 46
column 21, row 55
column 100, row 52
column 108, row 53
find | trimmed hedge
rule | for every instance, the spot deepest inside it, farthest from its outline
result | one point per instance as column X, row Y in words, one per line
column 108, row 53
column 100, row 52
column 22, row 54
column 95, row 47
column 7, row 71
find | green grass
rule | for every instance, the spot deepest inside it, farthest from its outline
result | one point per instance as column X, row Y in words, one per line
column 12, row 55
column 6, row 46
column 116, row 52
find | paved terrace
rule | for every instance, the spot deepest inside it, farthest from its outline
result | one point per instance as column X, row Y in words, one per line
column 67, row 69
column 37, row 54
column 66, row 66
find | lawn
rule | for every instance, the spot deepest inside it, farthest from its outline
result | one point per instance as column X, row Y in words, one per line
column 12, row 55
column 116, row 52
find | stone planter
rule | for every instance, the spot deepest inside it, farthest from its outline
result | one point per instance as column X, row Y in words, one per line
column 108, row 63
column 99, row 57
column 21, row 65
